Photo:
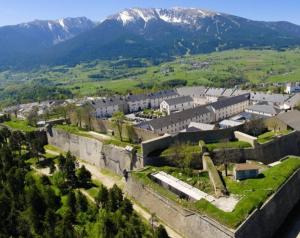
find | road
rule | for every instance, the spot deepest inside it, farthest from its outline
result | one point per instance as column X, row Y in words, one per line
column 108, row 180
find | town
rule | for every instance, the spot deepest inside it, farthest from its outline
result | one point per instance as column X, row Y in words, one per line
column 150, row 121
column 192, row 150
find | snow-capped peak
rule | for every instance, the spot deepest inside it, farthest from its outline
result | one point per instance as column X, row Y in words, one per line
column 61, row 22
column 175, row 15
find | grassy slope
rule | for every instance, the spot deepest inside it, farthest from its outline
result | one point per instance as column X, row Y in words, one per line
column 20, row 125
column 248, row 65
column 253, row 192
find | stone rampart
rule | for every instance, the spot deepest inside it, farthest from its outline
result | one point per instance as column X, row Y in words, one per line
column 265, row 221
column 262, row 223
column 245, row 138
column 266, row 153
column 94, row 151
column 185, row 222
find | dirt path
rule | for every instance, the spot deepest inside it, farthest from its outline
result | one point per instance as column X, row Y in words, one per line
column 109, row 180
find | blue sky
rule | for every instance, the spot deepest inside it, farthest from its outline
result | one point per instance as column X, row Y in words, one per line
column 17, row 11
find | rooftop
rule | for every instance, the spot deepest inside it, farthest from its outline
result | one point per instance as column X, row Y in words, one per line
column 177, row 117
column 246, row 166
column 268, row 109
column 265, row 97
column 291, row 118
column 226, row 102
column 178, row 100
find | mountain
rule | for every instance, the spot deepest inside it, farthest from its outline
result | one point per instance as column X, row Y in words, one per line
column 164, row 33
column 19, row 41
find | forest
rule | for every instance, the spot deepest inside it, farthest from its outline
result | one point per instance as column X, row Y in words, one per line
column 36, row 205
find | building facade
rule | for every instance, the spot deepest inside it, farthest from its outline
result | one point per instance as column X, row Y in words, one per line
column 176, row 104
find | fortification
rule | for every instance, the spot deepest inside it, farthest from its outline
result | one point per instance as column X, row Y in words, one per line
column 95, row 152
column 262, row 223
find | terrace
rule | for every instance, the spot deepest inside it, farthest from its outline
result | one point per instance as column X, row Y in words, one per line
column 251, row 193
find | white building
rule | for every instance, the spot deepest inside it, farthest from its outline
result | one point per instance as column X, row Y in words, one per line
column 107, row 107
column 178, row 121
column 140, row 102
column 176, row 104
column 203, row 114
column 265, row 110
column 292, row 88
column 229, row 107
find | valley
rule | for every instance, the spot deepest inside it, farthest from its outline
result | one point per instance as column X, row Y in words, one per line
column 244, row 68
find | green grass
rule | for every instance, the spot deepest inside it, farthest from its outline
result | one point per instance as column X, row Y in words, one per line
column 74, row 130
column 197, row 179
column 20, row 125
column 227, row 68
column 227, row 145
column 253, row 192
column 193, row 149
column 93, row 191
column 54, row 149
column 270, row 135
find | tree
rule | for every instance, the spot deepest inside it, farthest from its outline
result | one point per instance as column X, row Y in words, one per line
column 274, row 125
column 17, row 139
column 118, row 120
column 33, row 117
column 254, row 127
column 69, row 169
column 161, row 232
column 127, row 208
column 5, row 133
column 84, row 177
column 102, row 197
column 81, row 202
column 87, row 115
column 71, row 204
column 132, row 135
column 115, row 198
column 79, row 116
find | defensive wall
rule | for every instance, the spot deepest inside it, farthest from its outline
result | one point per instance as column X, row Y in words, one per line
column 94, row 151
column 265, row 221
column 266, row 153
column 261, row 223
column 185, row 222
column 105, row 126
column 164, row 142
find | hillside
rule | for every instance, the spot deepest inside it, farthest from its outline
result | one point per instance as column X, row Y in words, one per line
column 224, row 69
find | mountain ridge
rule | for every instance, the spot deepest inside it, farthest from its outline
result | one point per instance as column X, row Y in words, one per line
column 158, row 33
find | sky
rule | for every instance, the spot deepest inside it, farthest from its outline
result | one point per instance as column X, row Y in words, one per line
column 19, row 11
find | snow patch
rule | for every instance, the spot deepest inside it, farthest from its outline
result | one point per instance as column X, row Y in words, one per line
column 50, row 26
column 125, row 17
column 62, row 23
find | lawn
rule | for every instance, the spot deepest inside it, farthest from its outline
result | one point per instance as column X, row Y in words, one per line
column 20, row 125
column 269, row 136
column 74, row 130
column 195, row 149
column 197, row 179
column 227, row 145
column 253, row 192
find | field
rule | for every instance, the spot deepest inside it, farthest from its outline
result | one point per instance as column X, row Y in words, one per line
column 220, row 69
